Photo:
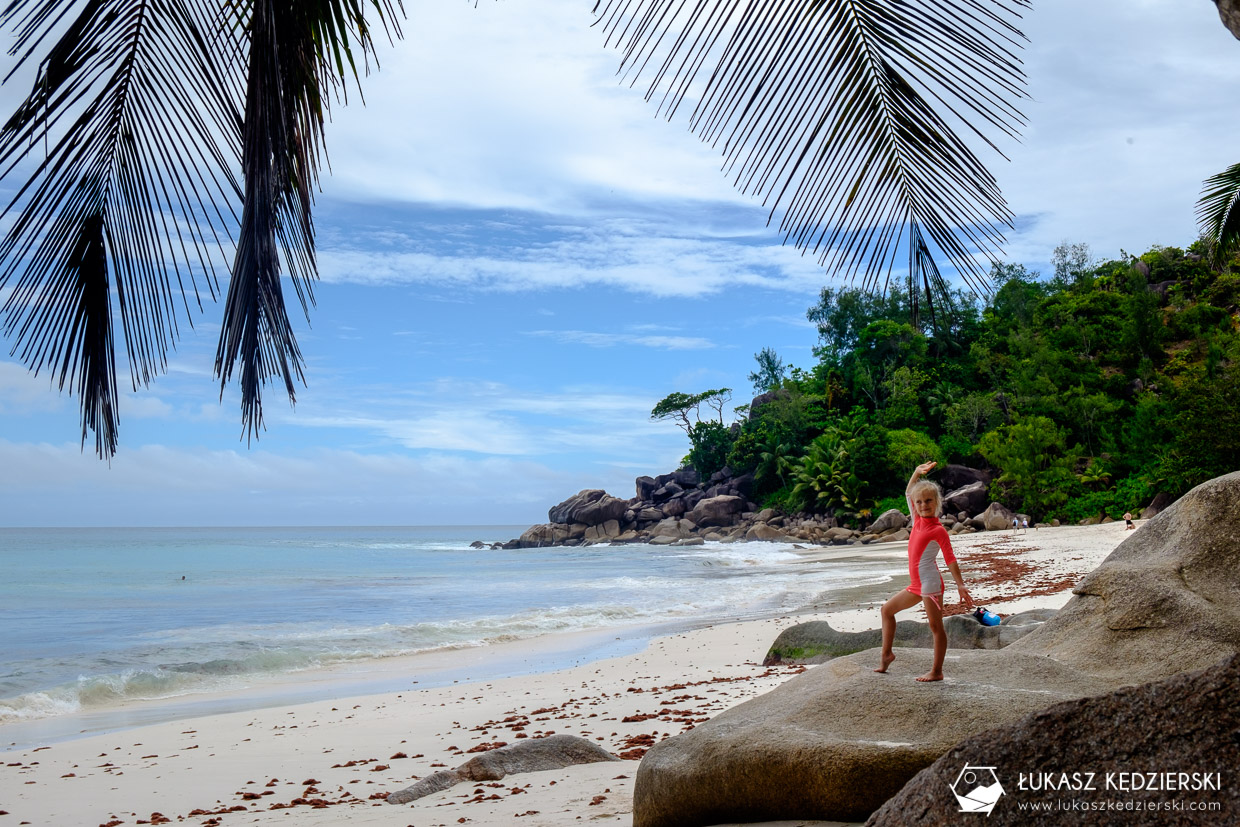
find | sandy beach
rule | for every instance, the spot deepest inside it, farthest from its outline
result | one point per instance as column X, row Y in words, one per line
column 304, row 764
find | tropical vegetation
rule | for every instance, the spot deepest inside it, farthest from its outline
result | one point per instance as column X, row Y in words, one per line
column 1086, row 392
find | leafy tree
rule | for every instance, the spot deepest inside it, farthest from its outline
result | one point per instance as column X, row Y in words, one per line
column 147, row 108
column 711, row 442
column 1072, row 263
column 678, row 406
column 1035, row 464
column 1205, row 421
column 973, row 416
column 906, row 449
column 770, row 372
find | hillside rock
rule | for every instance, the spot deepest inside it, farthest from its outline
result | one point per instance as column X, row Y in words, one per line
column 971, row 498
column 839, row 740
column 591, row 507
column 1186, row 723
column 952, row 477
column 1166, row 600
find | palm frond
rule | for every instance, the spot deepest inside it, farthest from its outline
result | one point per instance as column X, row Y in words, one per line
column 835, row 113
column 131, row 195
column 1218, row 212
column 297, row 55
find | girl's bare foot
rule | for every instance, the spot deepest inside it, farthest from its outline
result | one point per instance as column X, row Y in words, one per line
column 887, row 659
column 931, row 676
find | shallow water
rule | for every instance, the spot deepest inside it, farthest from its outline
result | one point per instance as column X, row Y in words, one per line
column 99, row 620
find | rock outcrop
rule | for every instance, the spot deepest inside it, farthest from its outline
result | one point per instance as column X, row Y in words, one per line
column 722, row 510
column 953, row 477
column 971, row 498
column 839, row 740
column 1165, row 601
column 531, row 755
column 1186, row 723
column 589, row 507
column 995, row 518
column 720, row 506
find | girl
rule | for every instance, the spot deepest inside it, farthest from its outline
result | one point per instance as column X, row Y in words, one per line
column 926, row 584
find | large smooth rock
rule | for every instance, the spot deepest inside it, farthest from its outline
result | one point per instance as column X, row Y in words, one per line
column 971, row 498
column 889, row 520
column 1157, row 506
column 839, row 740
column 952, row 477
column 532, row 755
column 716, row 511
column 766, row 533
column 591, row 507
column 674, row 528
column 1186, row 723
column 995, row 518
column 1165, row 601
column 816, row 642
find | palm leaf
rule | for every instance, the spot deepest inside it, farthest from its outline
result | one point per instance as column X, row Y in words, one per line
column 1218, row 212
column 138, row 110
column 131, row 195
column 835, row 112
column 295, row 53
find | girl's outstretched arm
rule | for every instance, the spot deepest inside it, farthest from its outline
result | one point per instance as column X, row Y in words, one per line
column 918, row 472
column 965, row 597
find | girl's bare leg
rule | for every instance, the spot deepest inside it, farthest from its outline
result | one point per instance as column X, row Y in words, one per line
column 935, row 616
column 899, row 602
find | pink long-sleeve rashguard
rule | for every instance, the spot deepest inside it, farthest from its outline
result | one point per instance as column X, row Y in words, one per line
column 924, row 543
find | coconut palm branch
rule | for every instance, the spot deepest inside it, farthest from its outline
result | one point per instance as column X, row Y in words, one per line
column 1218, row 212
column 835, row 113
column 131, row 196
column 144, row 110
column 297, row 55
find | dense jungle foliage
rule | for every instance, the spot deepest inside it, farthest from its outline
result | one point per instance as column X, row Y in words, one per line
column 1087, row 392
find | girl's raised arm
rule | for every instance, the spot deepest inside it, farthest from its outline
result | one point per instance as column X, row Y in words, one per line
column 918, row 472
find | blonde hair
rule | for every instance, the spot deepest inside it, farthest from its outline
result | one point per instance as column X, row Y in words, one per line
column 923, row 485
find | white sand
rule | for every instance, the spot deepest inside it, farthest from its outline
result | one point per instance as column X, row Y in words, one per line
column 212, row 763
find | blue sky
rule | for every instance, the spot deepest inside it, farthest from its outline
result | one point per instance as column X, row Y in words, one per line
column 518, row 260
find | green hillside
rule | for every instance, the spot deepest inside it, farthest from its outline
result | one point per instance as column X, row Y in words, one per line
column 1086, row 392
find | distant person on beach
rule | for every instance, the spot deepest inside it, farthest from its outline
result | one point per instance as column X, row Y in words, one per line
column 1015, row 523
column 1024, row 524
column 1128, row 520
column 925, row 582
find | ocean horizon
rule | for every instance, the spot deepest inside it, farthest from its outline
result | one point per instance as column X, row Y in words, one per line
column 101, row 622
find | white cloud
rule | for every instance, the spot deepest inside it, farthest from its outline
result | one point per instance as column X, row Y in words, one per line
column 642, row 262
column 600, row 339
column 21, row 392
column 158, row 485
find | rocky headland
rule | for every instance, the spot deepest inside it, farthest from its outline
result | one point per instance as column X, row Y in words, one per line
column 678, row 508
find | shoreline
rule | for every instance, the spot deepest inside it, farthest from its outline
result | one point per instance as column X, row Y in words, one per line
column 210, row 763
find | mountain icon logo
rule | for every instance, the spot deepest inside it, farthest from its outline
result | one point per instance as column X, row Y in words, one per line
column 977, row 789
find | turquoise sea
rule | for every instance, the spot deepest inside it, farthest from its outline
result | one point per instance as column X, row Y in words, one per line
column 109, row 619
